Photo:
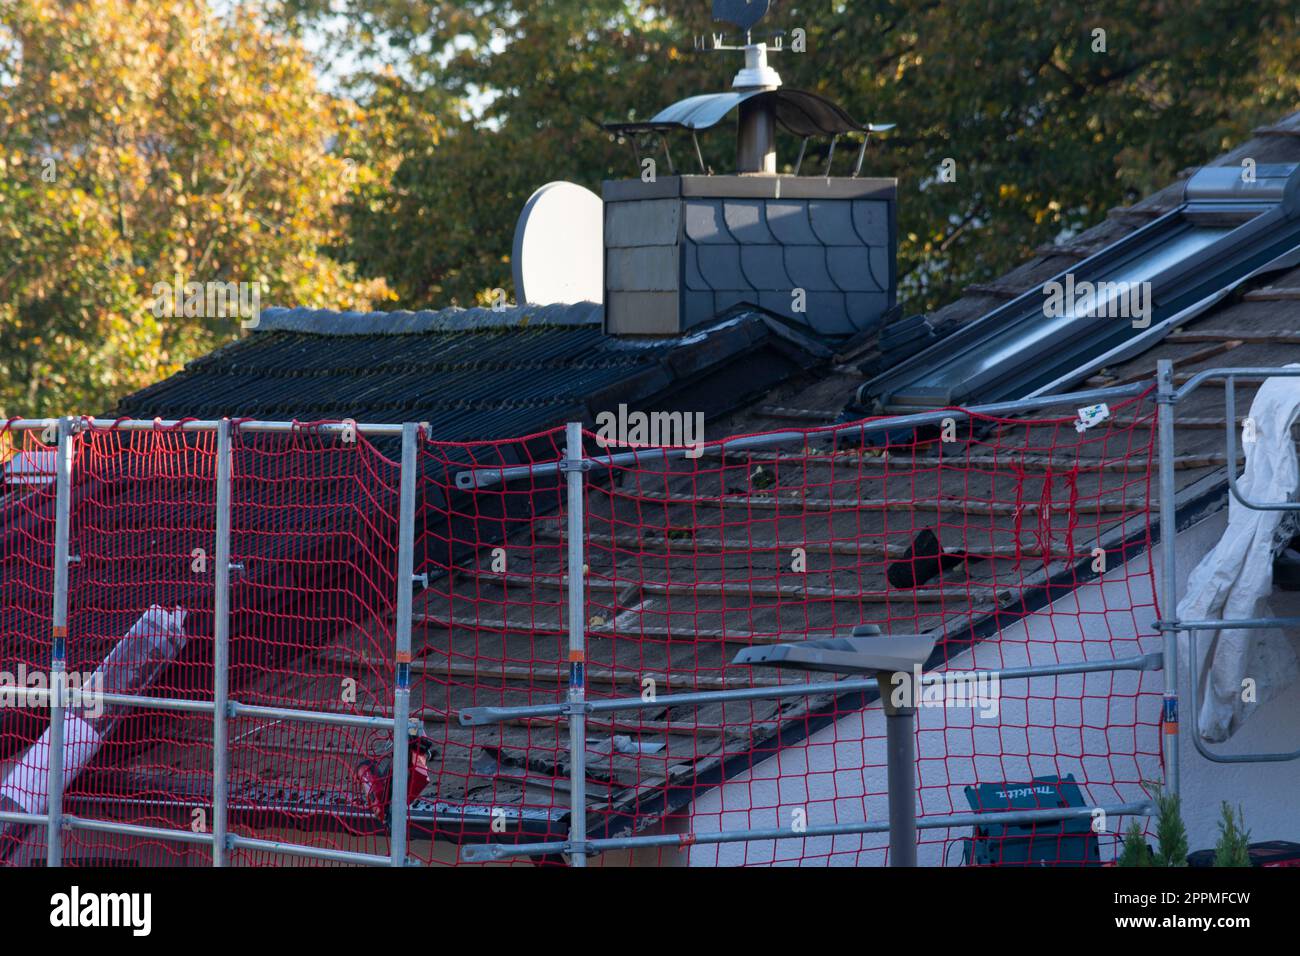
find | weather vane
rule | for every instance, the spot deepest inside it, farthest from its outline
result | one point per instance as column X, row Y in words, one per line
column 743, row 14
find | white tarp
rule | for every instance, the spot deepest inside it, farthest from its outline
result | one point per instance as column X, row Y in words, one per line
column 1236, row 578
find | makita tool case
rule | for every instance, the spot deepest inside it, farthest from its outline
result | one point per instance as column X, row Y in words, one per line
column 1060, row 843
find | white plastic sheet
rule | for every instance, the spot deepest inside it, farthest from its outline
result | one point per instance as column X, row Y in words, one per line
column 1236, row 578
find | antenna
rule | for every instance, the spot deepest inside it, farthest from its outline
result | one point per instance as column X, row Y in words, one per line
column 756, row 149
column 757, row 95
column 559, row 250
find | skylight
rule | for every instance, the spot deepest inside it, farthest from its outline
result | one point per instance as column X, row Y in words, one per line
column 1229, row 225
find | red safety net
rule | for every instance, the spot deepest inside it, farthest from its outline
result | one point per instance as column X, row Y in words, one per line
column 312, row 590
column 1014, row 542
column 26, row 618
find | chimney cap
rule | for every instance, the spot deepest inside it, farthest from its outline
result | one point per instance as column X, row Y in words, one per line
column 798, row 111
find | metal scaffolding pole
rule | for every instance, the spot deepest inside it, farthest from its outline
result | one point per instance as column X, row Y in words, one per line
column 482, row 716
column 1166, row 396
column 402, row 682
column 221, row 650
column 59, row 645
column 472, row 478
column 487, row 852
column 573, row 463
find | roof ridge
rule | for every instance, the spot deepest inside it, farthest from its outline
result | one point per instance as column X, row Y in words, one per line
column 404, row 322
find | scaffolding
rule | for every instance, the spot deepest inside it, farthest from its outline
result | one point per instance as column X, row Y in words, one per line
column 1169, row 396
column 573, row 469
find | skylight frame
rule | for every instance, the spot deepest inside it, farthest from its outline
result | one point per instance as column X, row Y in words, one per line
column 1263, row 223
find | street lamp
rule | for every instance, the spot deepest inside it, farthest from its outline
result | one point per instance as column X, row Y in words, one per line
column 868, row 652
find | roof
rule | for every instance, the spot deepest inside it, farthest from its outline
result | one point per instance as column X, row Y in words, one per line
column 673, row 603
column 648, row 628
column 478, row 373
column 471, row 374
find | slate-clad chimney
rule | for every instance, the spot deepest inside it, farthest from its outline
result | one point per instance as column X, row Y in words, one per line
column 680, row 250
column 685, row 249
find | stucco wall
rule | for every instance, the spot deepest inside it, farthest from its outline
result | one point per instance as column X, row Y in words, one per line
column 1100, row 727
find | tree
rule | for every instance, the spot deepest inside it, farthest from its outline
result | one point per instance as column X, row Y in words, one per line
column 1134, row 851
column 139, row 143
column 1048, row 121
column 1170, row 831
column 1233, row 845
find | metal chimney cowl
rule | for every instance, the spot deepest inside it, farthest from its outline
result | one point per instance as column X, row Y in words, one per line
column 680, row 251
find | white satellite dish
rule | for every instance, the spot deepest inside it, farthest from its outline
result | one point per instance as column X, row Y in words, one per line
column 559, row 247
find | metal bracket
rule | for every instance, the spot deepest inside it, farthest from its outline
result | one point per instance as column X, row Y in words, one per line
column 578, row 848
column 421, row 579
column 585, row 464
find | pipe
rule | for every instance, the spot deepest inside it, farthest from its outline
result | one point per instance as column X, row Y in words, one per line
column 402, row 683
column 577, row 648
column 153, row 642
column 221, row 650
column 1166, row 397
column 485, row 852
column 900, row 763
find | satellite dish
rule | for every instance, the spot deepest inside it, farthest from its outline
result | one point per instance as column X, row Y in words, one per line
column 559, row 247
column 743, row 13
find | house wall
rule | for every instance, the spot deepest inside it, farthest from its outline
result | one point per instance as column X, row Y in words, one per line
column 1047, row 732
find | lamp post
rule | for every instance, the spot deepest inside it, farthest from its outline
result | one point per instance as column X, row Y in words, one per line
column 892, row 660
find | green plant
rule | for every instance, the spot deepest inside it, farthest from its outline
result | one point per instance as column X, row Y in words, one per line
column 1170, row 832
column 1233, row 846
column 1135, row 851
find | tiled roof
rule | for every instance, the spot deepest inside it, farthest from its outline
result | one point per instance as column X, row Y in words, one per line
column 477, row 630
column 472, row 375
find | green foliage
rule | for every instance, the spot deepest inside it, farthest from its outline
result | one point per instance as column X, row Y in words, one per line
column 1135, row 851
column 1233, row 846
column 1171, row 834
column 1046, row 132
column 143, row 141
column 185, row 141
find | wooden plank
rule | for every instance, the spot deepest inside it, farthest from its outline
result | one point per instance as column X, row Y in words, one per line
column 793, row 592
column 693, row 634
column 951, row 505
column 1273, row 293
column 1182, row 422
column 819, row 415
column 618, row 725
column 1201, row 355
column 874, row 549
column 1278, row 337
column 901, row 461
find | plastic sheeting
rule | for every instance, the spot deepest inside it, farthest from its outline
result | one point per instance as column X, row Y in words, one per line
column 1242, row 669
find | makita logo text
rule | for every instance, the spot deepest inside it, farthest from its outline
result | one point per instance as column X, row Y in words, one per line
column 76, row 909
column 1024, row 792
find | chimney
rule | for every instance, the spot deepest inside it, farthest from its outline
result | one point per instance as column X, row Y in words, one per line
column 684, row 248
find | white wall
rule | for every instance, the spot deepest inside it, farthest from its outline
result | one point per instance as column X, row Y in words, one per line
column 1087, row 725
